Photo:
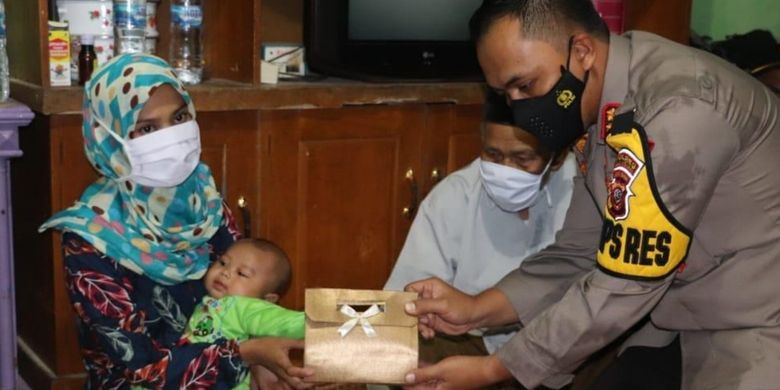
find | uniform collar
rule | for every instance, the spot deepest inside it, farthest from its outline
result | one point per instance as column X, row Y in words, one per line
column 616, row 77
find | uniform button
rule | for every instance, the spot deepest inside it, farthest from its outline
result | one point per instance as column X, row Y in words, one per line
column 706, row 83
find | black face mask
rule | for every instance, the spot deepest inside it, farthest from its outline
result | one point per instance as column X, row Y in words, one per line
column 555, row 118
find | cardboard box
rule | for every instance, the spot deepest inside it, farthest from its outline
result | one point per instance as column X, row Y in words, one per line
column 59, row 54
column 359, row 336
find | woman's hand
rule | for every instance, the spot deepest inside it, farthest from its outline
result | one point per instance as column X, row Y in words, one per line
column 264, row 379
column 274, row 354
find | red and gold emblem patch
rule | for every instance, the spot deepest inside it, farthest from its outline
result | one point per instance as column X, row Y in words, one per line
column 627, row 168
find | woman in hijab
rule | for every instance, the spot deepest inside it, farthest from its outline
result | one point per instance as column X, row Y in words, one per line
column 140, row 238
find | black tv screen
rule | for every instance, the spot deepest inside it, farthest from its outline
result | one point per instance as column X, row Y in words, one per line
column 399, row 39
column 410, row 20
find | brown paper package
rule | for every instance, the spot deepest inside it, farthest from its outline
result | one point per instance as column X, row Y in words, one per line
column 356, row 357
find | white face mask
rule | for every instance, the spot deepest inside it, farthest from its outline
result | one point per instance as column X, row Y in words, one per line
column 164, row 158
column 510, row 188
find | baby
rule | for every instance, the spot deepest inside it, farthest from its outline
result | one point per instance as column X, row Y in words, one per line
column 243, row 287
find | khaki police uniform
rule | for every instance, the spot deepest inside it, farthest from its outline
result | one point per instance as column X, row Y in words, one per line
column 676, row 215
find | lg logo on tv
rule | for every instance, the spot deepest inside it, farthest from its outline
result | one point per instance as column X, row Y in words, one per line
column 428, row 57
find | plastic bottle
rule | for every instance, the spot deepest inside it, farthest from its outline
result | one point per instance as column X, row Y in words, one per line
column 130, row 25
column 186, row 55
column 4, row 85
column 87, row 58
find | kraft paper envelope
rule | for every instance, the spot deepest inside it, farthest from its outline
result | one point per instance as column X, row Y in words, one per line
column 359, row 336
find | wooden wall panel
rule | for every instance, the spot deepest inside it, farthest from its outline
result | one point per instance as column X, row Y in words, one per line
column 27, row 31
column 282, row 21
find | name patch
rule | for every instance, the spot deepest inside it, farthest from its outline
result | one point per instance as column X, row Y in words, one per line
column 640, row 238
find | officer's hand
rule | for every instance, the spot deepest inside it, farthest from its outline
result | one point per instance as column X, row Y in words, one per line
column 441, row 308
column 458, row 372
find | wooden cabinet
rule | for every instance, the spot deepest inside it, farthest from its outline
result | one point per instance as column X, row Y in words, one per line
column 337, row 182
column 340, row 187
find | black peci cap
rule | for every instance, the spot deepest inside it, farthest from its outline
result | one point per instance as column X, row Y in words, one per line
column 496, row 110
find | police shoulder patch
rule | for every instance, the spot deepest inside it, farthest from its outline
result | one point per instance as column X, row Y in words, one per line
column 640, row 238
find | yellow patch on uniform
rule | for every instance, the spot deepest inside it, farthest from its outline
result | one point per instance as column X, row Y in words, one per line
column 142, row 245
column 182, row 245
column 94, row 228
column 640, row 238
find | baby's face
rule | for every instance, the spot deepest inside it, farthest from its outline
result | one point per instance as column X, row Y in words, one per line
column 243, row 271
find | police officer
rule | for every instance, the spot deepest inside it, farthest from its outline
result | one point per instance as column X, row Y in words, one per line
column 676, row 215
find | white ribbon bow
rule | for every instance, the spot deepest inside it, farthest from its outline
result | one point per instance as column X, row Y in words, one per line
column 358, row 317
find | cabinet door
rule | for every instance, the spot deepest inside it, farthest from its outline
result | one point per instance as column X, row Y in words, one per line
column 452, row 140
column 335, row 184
column 230, row 148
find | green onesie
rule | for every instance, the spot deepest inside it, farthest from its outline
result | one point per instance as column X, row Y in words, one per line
column 239, row 318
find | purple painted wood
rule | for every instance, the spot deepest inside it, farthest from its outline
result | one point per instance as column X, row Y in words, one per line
column 12, row 116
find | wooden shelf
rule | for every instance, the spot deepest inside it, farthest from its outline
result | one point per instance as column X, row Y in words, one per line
column 224, row 95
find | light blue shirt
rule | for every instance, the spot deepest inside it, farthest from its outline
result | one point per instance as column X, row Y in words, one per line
column 460, row 236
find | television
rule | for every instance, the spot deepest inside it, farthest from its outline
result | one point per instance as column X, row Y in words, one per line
column 391, row 40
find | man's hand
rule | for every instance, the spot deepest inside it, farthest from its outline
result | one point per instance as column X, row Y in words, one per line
column 274, row 354
column 458, row 372
column 441, row 308
column 445, row 309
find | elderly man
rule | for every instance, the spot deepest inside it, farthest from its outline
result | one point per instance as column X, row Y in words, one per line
column 480, row 222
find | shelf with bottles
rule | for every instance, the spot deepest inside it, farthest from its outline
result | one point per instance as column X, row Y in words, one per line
column 227, row 95
column 231, row 42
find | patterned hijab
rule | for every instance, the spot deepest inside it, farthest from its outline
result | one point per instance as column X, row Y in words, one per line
column 162, row 233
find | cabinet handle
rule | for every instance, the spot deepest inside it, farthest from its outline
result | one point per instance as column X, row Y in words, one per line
column 246, row 216
column 435, row 175
column 409, row 211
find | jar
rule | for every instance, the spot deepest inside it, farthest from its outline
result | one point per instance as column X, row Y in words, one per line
column 104, row 48
column 151, row 19
column 87, row 17
column 152, row 33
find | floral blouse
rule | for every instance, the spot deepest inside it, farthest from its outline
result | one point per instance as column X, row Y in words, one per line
column 130, row 327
